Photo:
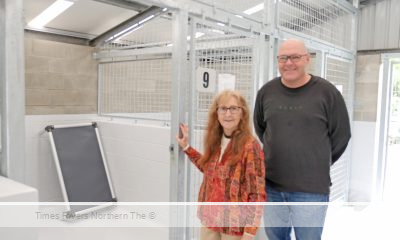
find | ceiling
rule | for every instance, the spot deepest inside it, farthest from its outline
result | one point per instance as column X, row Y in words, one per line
column 89, row 19
column 85, row 18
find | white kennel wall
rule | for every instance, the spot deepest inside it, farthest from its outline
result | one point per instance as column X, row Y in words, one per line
column 138, row 161
column 138, row 157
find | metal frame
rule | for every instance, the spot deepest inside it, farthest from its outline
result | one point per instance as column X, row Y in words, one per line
column 110, row 34
column 382, row 122
column 61, row 32
column 58, row 168
column 191, row 93
column 59, row 172
column 12, row 90
column 177, row 165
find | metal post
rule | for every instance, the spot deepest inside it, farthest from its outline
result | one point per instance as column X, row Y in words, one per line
column 179, row 75
column 12, row 88
column 272, row 13
column 191, row 89
column 319, row 63
column 356, row 3
column 382, row 123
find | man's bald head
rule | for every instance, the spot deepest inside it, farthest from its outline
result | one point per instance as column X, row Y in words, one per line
column 293, row 44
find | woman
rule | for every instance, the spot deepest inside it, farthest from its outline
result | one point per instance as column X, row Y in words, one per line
column 233, row 170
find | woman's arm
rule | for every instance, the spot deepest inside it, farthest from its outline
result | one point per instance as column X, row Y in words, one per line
column 183, row 141
column 194, row 157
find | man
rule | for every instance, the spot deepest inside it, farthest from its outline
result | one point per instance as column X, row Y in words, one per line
column 303, row 123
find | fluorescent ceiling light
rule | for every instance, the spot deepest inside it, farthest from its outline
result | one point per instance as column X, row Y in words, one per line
column 50, row 13
column 254, row 9
column 127, row 30
column 127, row 33
column 146, row 19
column 198, row 34
column 218, row 31
column 130, row 29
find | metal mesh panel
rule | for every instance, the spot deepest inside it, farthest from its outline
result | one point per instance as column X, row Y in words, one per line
column 232, row 60
column 338, row 72
column 236, row 60
column 238, row 6
column 135, row 81
column 140, row 89
column 233, row 55
column 312, row 67
column 321, row 19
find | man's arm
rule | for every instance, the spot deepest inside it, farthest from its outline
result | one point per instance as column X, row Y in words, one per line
column 258, row 118
column 339, row 126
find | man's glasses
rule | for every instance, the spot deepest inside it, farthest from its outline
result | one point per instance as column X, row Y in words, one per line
column 232, row 109
column 294, row 58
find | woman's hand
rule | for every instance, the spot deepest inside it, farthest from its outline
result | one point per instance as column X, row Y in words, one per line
column 183, row 141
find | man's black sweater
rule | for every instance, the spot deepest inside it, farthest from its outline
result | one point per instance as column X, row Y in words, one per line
column 304, row 131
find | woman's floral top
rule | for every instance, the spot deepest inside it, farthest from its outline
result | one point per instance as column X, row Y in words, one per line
column 242, row 182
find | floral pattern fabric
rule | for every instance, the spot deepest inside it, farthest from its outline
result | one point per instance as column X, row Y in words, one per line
column 242, row 182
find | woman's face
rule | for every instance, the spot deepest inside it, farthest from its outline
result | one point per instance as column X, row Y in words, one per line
column 229, row 115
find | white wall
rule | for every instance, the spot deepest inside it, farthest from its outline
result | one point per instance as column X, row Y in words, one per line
column 40, row 171
column 12, row 191
column 362, row 172
column 137, row 156
column 366, row 97
column 138, row 160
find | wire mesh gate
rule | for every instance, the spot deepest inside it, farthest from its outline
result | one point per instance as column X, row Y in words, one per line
column 226, row 53
column 339, row 72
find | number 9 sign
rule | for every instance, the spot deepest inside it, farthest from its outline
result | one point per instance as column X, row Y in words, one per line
column 205, row 79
